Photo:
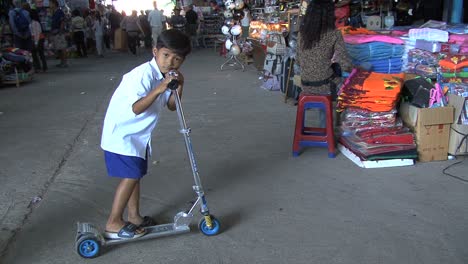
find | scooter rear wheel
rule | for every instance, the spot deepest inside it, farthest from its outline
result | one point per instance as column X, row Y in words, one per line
column 88, row 246
column 215, row 228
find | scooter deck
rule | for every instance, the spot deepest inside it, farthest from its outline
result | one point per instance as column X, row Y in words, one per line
column 152, row 232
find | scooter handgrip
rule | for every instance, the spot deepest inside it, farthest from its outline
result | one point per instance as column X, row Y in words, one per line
column 173, row 84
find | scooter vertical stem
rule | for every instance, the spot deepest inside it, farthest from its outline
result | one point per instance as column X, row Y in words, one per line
column 188, row 145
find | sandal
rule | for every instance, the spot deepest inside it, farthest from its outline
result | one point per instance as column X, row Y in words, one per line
column 128, row 231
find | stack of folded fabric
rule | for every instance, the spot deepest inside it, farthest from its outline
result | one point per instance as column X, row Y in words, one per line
column 382, row 143
column 377, row 92
column 377, row 53
column 369, row 124
column 423, row 63
column 455, row 66
column 357, row 120
column 460, row 39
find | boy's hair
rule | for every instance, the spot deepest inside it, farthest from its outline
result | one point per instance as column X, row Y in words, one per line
column 174, row 40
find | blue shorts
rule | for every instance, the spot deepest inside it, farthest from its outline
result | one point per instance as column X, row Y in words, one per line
column 125, row 166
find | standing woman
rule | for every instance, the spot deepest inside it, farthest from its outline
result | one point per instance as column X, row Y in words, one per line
column 58, row 32
column 99, row 33
column 78, row 29
column 320, row 49
column 245, row 22
column 38, row 43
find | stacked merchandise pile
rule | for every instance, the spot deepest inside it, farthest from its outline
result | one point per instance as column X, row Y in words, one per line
column 370, row 128
column 454, row 80
column 460, row 39
column 459, row 86
column 454, row 66
column 376, row 92
column 423, row 63
column 15, row 66
column 426, row 51
column 375, row 52
column 409, row 45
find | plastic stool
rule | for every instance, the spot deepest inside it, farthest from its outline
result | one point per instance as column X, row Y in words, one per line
column 313, row 136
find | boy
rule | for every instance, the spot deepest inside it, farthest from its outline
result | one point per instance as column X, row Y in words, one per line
column 131, row 117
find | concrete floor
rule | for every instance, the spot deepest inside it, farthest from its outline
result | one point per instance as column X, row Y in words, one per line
column 273, row 208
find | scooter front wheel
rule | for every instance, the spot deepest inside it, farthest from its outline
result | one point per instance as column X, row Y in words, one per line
column 88, row 246
column 209, row 231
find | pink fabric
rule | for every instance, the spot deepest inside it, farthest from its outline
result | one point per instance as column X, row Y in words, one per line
column 459, row 39
column 360, row 39
column 462, row 40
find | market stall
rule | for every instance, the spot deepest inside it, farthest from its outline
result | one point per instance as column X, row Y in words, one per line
column 384, row 105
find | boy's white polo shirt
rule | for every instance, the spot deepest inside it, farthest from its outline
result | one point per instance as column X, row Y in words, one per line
column 124, row 132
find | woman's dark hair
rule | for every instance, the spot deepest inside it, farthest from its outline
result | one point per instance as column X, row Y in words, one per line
column 76, row 12
column 176, row 41
column 318, row 20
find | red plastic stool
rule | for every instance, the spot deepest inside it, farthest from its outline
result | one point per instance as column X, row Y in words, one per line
column 314, row 136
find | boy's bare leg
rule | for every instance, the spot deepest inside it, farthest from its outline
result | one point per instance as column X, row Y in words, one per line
column 121, row 199
column 134, row 206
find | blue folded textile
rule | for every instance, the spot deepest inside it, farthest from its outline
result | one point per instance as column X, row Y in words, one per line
column 393, row 65
column 375, row 51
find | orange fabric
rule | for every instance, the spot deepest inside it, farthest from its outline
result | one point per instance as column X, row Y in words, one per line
column 454, row 62
column 349, row 30
column 376, row 92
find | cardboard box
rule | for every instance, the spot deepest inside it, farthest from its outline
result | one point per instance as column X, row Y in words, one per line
column 431, row 127
column 458, row 133
column 120, row 40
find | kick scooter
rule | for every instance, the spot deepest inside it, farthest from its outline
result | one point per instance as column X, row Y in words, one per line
column 89, row 240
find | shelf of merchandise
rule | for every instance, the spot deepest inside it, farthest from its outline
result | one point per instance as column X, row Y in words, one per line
column 211, row 29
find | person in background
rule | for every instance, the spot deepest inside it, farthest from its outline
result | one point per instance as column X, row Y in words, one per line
column 90, row 38
column 164, row 21
column 132, row 25
column 19, row 23
column 114, row 20
column 38, row 43
column 245, row 22
column 98, row 28
column 191, row 27
column 215, row 7
column 177, row 21
column 78, row 30
column 155, row 19
column 320, row 45
column 58, row 32
column 145, row 25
